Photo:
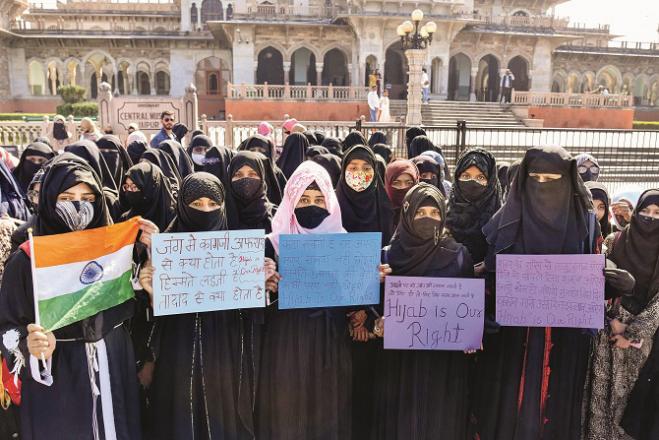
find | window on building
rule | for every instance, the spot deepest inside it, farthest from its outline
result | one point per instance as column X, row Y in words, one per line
column 213, row 84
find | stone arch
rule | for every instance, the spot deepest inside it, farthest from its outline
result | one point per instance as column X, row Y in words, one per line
column 303, row 66
column 395, row 71
column 521, row 13
column 559, row 82
column 124, row 81
column 73, row 72
column 162, row 78
column 587, row 82
column 36, row 78
column 270, row 66
column 459, row 77
column 641, row 89
column 143, row 76
column 573, row 82
column 335, row 68
column 211, row 10
column 653, row 93
column 97, row 52
column 519, row 66
column 98, row 67
column 212, row 76
column 627, row 84
column 54, row 75
column 609, row 77
column 487, row 78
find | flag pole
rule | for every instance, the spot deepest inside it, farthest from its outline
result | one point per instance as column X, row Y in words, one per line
column 35, row 295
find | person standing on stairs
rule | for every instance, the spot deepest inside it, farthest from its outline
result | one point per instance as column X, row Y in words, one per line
column 507, row 86
column 425, row 83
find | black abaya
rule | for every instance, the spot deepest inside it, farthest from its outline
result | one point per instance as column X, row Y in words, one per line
column 179, row 156
column 293, row 153
column 25, row 170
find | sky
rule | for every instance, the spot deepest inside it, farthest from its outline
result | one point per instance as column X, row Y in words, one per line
column 636, row 20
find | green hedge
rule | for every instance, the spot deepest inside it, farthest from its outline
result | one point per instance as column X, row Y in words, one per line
column 23, row 116
column 79, row 109
column 645, row 125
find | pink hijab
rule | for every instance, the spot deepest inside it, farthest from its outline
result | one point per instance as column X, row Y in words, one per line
column 285, row 222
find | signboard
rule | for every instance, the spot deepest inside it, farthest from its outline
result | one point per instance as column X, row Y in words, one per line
column 145, row 113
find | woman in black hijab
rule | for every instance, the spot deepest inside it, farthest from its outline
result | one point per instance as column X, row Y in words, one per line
column 320, row 136
column 148, row 193
column 275, row 180
column 202, row 382
column 378, row 137
column 311, row 137
column 502, row 172
column 365, row 206
column 90, row 152
column 332, row 165
column 60, row 405
column 248, row 190
column 166, row 164
column 180, row 130
column 334, row 146
column 408, row 383
column 316, row 150
column 410, row 134
column 198, row 149
column 430, row 172
column 353, row 138
column 626, row 344
column 34, row 155
column 180, row 157
column 384, row 151
column 136, row 149
column 512, row 173
column 115, row 155
column 293, row 153
column 475, row 198
column 548, row 212
column 601, row 206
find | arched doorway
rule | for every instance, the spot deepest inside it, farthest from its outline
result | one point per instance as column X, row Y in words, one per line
column 143, row 83
column 371, row 67
column 520, row 69
column 335, row 68
column 270, row 66
column 211, row 10
column 610, row 78
column 303, row 67
column 588, row 82
column 559, row 82
column 395, row 71
column 459, row 77
column 641, row 90
column 436, row 76
column 487, row 79
column 37, row 78
column 573, row 84
column 162, row 83
column 54, row 78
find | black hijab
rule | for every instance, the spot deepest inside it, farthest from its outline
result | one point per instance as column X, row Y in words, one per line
column 66, row 171
column 637, row 251
column 166, row 164
column 369, row 210
column 293, row 153
column 543, row 218
column 178, row 154
column 59, row 130
column 512, row 173
column 136, row 149
column 353, row 138
column 316, row 150
column 200, row 140
column 384, row 151
column 116, row 157
column 378, row 137
column 180, row 130
column 426, row 164
column 157, row 201
column 334, row 146
column 599, row 192
column 502, row 172
column 25, row 170
column 275, row 179
column 410, row 134
column 12, row 202
column 217, row 161
column 409, row 253
column 420, row 144
column 254, row 211
column 189, row 219
column 311, row 137
column 466, row 215
column 332, row 165
column 320, row 136
column 88, row 151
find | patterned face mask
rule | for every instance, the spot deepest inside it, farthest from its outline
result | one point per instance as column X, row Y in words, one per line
column 358, row 180
column 76, row 215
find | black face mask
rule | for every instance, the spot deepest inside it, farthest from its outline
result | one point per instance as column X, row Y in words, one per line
column 246, row 187
column 648, row 225
column 202, row 220
column 134, row 198
column 428, row 228
column 589, row 176
column 472, row 190
column 30, row 167
column 311, row 217
column 432, row 181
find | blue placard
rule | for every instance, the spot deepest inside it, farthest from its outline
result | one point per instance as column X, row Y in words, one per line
column 329, row 270
column 208, row 271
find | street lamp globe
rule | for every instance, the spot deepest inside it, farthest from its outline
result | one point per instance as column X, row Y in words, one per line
column 417, row 15
column 400, row 30
column 424, row 32
column 407, row 26
column 431, row 27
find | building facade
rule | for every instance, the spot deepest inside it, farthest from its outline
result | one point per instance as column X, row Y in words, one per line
column 158, row 47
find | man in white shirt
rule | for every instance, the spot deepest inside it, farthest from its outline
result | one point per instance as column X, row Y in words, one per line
column 373, row 103
column 507, row 86
column 425, row 83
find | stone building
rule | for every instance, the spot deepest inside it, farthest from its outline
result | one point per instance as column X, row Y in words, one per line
column 158, row 47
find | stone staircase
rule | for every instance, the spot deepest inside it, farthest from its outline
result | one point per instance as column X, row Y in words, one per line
column 446, row 113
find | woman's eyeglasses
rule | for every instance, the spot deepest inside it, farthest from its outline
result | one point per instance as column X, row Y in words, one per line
column 593, row 169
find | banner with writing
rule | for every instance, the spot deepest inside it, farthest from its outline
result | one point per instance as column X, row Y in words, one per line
column 550, row 291
column 327, row 270
column 433, row 313
column 208, row 271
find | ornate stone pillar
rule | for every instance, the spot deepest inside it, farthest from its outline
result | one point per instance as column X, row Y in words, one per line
column 319, row 74
column 287, row 71
column 472, row 84
column 415, row 59
column 152, row 82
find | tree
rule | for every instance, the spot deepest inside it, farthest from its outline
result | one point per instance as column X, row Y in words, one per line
column 74, row 102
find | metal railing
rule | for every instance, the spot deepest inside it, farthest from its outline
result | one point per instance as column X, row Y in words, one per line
column 296, row 92
column 626, row 47
column 571, row 99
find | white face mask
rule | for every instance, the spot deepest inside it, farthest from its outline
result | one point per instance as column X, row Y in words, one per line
column 199, row 159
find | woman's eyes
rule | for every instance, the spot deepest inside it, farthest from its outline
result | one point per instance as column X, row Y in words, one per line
column 481, row 178
column 89, row 199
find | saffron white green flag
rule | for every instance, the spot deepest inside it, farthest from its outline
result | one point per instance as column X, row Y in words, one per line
column 78, row 274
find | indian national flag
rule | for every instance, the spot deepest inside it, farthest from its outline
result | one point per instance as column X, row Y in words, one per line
column 79, row 274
